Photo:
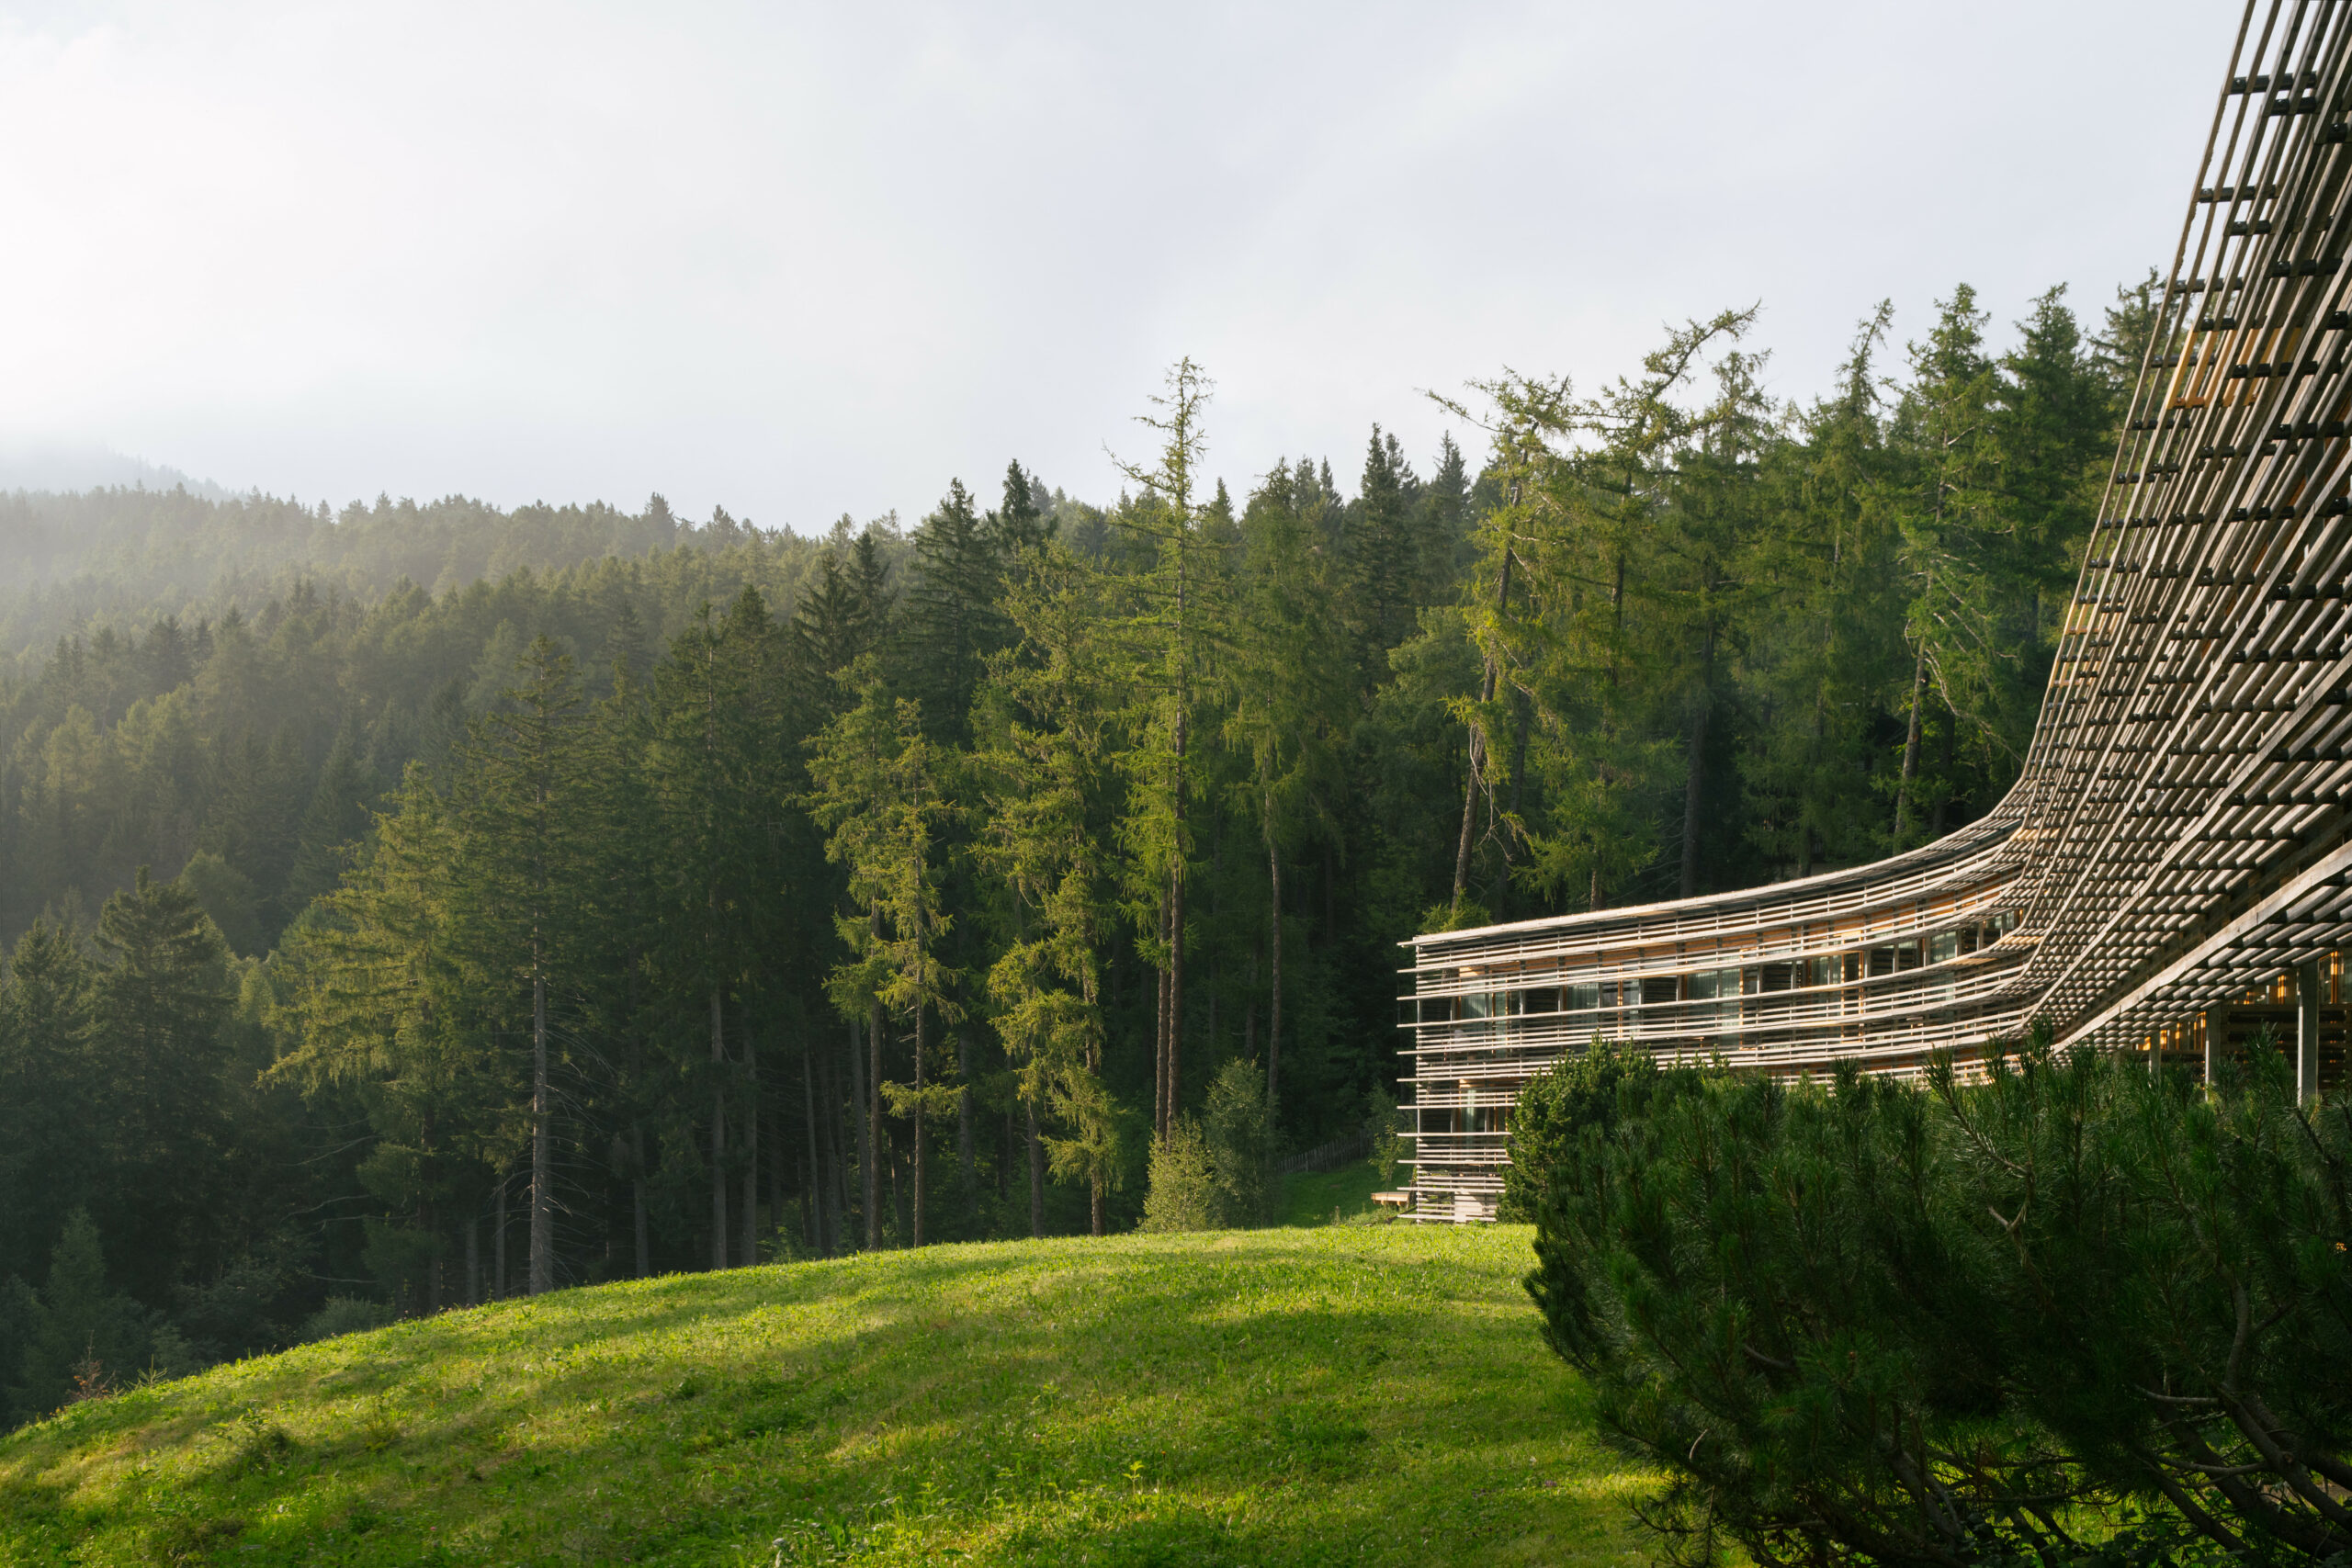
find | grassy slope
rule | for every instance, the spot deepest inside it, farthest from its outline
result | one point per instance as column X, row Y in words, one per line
column 1312, row 1199
column 1348, row 1394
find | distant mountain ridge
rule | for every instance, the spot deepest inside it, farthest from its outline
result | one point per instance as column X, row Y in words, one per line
column 128, row 555
column 69, row 468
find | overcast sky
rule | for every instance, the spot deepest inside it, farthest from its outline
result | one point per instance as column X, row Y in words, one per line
column 805, row 260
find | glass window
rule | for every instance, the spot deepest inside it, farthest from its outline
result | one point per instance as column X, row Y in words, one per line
column 1709, row 984
column 1943, row 945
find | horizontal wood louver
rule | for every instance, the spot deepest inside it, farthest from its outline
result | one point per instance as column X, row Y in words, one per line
column 2176, row 840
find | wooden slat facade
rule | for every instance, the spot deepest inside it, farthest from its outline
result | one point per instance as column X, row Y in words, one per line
column 2173, row 866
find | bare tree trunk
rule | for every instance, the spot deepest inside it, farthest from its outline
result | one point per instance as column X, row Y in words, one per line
column 641, row 1222
column 899, row 1184
column 1510, row 808
column 718, row 1134
column 818, row 1242
column 1693, row 802
column 428, row 1220
column 473, row 1259
column 1695, row 779
column 836, row 1155
column 1037, row 1175
column 1477, row 756
column 1911, row 747
column 777, row 1120
column 1616, row 629
column 1275, row 1002
column 1160, row 1051
column 863, row 1123
column 921, row 1163
column 1804, row 804
column 964, row 1128
column 1176, row 972
column 542, row 1165
column 498, row 1242
column 751, row 1253
column 1097, row 1212
column 1944, row 777
column 876, row 1138
column 1469, row 813
column 842, row 1186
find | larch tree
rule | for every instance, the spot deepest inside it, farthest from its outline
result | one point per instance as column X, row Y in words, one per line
column 1168, row 631
column 389, row 985
column 1043, row 766
column 878, row 799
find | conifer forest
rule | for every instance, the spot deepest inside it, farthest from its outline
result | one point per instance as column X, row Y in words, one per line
column 426, row 902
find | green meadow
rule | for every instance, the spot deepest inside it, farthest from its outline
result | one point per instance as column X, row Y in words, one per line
column 1353, row 1394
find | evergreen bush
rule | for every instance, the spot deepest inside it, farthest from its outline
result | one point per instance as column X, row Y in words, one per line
column 1555, row 1107
column 1184, row 1195
column 2074, row 1312
column 1217, row 1173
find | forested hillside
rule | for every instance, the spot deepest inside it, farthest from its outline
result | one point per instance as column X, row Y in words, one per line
column 125, row 558
column 541, row 897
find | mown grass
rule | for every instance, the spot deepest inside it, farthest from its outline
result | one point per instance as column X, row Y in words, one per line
column 1348, row 1394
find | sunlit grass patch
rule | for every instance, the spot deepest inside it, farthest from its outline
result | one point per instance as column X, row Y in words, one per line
column 1347, row 1394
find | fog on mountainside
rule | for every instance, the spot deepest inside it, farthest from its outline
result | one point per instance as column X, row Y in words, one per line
column 433, row 901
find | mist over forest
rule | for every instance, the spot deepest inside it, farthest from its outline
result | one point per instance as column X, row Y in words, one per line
column 419, row 903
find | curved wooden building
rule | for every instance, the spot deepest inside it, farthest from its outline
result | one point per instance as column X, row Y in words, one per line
column 2170, row 872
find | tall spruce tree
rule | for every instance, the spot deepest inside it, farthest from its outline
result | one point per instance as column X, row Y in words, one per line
column 337, row 818
column 952, row 619
column 1383, row 556
column 1951, row 543
column 717, row 779
column 50, row 1093
column 162, row 998
column 526, row 799
column 1287, row 710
